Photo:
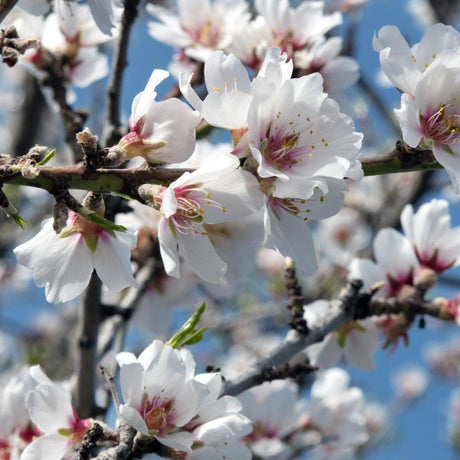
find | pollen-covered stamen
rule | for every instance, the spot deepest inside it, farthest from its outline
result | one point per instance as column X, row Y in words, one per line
column 443, row 125
column 295, row 206
column 207, row 34
column 282, row 148
column 192, row 202
column 158, row 414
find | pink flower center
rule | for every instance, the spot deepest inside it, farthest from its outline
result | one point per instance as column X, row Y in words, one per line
column 5, row 450
column 433, row 261
column 262, row 430
column 207, row 34
column 190, row 201
column 158, row 414
column 282, row 150
column 28, row 433
column 443, row 125
column 79, row 427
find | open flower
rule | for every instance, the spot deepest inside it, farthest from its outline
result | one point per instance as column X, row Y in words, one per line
column 430, row 118
column 394, row 268
column 160, row 394
column 64, row 262
column 200, row 26
column 296, row 28
column 212, row 194
column 160, row 132
column 276, row 411
column 436, row 244
column 164, row 399
column 51, row 410
column 404, row 66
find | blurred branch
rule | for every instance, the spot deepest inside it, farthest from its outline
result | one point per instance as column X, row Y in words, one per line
column 372, row 95
column 112, row 124
column 87, row 334
column 444, row 9
column 5, row 7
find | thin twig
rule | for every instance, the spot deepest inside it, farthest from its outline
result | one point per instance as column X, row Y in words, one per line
column 112, row 124
column 113, row 391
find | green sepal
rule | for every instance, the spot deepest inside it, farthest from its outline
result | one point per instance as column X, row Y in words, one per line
column 187, row 334
column 49, row 156
column 95, row 218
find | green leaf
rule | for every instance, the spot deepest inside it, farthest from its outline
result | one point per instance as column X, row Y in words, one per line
column 12, row 212
column 19, row 221
column 187, row 334
column 101, row 221
column 122, row 195
column 49, row 156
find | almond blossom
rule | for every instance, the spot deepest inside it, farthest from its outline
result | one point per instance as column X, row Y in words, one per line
column 335, row 415
column 200, row 26
column 430, row 118
column 276, row 411
column 64, row 262
column 436, row 243
column 403, row 65
column 212, row 194
column 155, row 127
column 296, row 28
column 395, row 268
column 164, row 399
column 52, row 412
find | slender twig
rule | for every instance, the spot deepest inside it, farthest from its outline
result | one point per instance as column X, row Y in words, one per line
column 113, row 391
column 112, row 123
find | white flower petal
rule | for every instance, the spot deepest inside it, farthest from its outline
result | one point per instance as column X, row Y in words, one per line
column 47, row 447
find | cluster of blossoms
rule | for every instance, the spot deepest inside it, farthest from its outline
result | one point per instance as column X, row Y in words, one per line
column 163, row 399
column 429, row 245
column 333, row 423
column 428, row 75
column 296, row 148
column 202, row 26
column 70, row 35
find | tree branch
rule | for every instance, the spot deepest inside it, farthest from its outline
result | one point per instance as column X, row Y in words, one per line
column 402, row 159
column 354, row 305
column 85, row 367
column 79, row 177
